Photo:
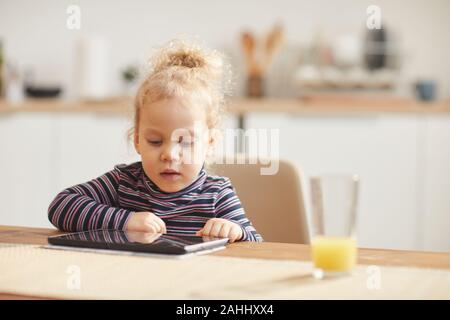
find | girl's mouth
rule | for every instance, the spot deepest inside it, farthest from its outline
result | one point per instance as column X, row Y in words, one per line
column 170, row 175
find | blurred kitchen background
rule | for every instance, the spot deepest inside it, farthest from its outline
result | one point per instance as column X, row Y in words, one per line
column 353, row 86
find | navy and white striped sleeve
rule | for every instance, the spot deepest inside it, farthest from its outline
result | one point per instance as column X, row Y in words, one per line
column 228, row 206
column 88, row 206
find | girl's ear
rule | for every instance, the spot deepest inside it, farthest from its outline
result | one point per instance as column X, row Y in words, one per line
column 136, row 140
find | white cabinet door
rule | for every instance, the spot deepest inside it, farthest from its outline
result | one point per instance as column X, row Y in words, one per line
column 381, row 149
column 436, row 179
column 27, row 166
column 90, row 145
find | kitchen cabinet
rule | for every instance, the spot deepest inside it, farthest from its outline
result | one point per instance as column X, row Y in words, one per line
column 435, row 183
column 27, row 168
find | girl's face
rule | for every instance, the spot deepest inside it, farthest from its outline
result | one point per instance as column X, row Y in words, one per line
column 173, row 140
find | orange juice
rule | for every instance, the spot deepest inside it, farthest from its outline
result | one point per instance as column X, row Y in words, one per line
column 335, row 254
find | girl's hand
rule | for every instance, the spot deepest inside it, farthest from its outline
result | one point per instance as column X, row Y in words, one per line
column 145, row 222
column 221, row 228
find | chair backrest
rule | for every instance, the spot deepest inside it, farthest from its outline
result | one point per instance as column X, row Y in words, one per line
column 273, row 203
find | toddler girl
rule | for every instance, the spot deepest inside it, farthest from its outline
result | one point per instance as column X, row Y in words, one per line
column 177, row 109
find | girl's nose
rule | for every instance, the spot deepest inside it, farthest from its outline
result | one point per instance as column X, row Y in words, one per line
column 171, row 153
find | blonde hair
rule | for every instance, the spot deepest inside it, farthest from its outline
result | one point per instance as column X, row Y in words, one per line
column 185, row 70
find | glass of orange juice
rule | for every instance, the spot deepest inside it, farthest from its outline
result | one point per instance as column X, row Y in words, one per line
column 333, row 242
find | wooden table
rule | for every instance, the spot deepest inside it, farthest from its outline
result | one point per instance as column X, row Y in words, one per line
column 265, row 250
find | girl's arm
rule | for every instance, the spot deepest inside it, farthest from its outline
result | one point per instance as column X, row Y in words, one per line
column 228, row 206
column 88, row 206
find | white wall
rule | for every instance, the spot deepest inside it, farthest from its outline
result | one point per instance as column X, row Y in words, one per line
column 35, row 32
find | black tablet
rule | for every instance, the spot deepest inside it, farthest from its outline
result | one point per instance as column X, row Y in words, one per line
column 173, row 244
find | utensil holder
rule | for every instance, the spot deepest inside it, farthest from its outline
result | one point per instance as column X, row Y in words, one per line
column 255, row 86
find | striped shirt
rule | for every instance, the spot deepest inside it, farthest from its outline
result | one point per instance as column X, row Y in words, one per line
column 108, row 201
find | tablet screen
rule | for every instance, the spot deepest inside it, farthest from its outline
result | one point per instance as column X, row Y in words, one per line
column 138, row 241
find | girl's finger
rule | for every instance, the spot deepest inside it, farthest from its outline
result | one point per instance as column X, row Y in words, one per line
column 159, row 228
column 148, row 227
column 154, row 225
column 215, row 229
column 207, row 228
column 234, row 235
column 161, row 224
column 225, row 231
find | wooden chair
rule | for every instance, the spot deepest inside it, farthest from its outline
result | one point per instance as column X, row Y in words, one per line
column 273, row 203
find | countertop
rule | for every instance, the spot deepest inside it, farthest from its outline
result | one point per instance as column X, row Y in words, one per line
column 241, row 106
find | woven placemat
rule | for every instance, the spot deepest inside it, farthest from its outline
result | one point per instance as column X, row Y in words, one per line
column 37, row 271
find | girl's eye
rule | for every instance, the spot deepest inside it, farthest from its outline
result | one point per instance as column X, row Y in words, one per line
column 154, row 142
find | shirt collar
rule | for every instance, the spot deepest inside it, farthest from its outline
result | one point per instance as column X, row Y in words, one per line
column 156, row 192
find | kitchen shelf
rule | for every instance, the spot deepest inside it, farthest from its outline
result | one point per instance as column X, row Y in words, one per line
column 239, row 106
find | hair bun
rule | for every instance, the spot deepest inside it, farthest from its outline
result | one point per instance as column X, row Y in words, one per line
column 179, row 54
column 186, row 58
